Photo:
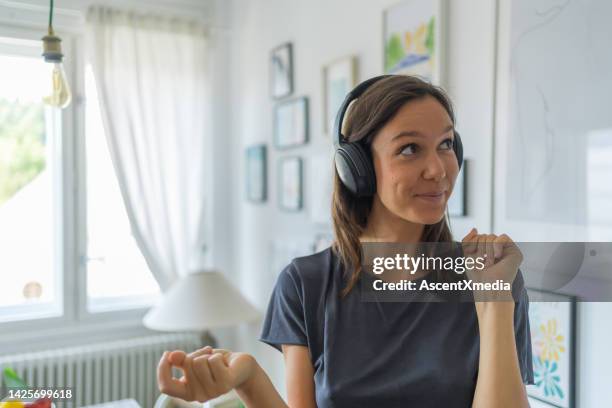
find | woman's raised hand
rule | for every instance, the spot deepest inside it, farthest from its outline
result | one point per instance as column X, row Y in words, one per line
column 207, row 373
column 501, row 255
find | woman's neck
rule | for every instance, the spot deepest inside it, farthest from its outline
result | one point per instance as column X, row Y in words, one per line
column 384, row 226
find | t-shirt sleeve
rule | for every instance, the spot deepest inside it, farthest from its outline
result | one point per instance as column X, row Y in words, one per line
column 522, row 330
column 284, row 322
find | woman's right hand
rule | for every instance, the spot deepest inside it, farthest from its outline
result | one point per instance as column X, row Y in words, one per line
column 207, row 373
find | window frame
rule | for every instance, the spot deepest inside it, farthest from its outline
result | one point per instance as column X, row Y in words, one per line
column 76, row 324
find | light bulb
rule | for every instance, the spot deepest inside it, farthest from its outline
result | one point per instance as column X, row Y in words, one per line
column 57, row 92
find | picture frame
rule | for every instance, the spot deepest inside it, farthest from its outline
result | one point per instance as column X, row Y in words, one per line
column 457, row 203
column 339, row 78
column 281, row 71
column 290, row 182
column 414, row 39
column 291, row 123
column 256, row 173
column 552, row 320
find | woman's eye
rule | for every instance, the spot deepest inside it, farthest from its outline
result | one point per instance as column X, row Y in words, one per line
column 412, row 148
column 408, row 149
column 448, row 143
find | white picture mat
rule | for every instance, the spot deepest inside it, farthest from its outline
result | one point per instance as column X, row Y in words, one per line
column 290, row 123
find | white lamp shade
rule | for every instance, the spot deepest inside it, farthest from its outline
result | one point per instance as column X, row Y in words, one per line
column 200, row 301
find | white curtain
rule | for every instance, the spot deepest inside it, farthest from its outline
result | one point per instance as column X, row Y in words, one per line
column 151, row 77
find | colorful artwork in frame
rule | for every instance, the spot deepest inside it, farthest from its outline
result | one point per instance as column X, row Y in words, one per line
column 339, row 77
column 281, row 71
column 552, row 319
column 414, row 39
column 290, row 183
column 256, row 173
column 291, row 123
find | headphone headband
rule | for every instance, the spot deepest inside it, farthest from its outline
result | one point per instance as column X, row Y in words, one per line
column 350, row 97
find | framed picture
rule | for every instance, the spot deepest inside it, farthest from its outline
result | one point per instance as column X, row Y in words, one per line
column 281, row 71
column 291, row 123
column 457, row 203
column 552, row 319
column 290, row 183
column 540, row 194
column 414, row 39
column 339, row 77
column 256, row 173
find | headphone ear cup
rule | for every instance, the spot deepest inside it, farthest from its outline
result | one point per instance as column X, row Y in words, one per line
column 354, row 167
column 458, row 148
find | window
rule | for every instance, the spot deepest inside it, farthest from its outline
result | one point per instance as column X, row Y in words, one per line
column 67, row 254
column 30, row 269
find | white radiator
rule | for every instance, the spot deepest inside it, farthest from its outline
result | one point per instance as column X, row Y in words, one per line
column 101, row 372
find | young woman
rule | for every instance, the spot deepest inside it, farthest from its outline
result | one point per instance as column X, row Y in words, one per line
column 340, row 351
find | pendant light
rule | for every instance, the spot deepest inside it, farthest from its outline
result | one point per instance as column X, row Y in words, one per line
column 57, row 93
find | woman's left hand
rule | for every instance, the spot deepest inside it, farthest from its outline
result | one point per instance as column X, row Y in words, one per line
column 500, row 255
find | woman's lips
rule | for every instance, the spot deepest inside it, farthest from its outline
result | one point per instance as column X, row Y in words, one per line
column 435, row 198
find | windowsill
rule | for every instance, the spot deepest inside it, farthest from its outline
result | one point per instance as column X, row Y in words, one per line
column 43, row 334
column 12, row 314
column 121, row 303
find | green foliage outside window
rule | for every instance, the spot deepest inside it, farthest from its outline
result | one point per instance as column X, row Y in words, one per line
column 22, row 145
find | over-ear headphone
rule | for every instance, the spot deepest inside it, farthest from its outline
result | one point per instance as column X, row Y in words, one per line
column 353, row 159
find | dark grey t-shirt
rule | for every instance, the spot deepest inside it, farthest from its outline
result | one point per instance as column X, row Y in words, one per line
column 381, row 354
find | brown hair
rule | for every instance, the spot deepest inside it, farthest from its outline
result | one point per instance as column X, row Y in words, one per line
column 366, row 116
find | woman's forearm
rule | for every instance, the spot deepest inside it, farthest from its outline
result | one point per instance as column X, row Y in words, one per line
column 259, row 392
column 499, row 381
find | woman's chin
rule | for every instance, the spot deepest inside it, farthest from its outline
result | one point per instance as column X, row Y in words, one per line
column 430, row 217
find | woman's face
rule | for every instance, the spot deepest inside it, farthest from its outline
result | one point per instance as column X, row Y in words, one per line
column 414, row 161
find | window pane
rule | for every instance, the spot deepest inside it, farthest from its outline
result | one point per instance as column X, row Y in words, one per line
column 117, row 274
column 29, row 250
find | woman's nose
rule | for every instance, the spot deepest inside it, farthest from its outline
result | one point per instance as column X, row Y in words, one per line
column 434, row 167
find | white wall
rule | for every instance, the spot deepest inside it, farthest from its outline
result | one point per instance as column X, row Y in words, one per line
column 322, row 31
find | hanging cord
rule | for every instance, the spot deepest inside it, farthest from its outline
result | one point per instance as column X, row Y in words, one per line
column 51, row 18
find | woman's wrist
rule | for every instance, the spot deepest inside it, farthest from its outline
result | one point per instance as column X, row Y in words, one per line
column 258, row 391
column 497, row 309
column 246, row 388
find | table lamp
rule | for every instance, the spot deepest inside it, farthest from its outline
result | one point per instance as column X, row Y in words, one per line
column 198, row 302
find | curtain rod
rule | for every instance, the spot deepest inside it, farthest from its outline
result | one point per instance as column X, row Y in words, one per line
column 80, row 14
column 40, row 8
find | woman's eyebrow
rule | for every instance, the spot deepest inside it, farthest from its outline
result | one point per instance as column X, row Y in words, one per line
column 417, row 133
